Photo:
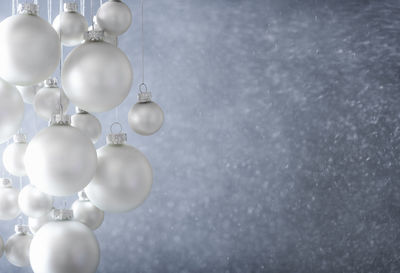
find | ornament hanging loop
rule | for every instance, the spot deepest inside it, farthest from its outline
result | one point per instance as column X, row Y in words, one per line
column 114, row 124
column 142, row 87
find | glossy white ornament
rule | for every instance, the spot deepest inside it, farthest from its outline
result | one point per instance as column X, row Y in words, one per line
column 36, row 223
column 87, row 213
column 87, row 123
column 9, row 208
column 60, row 160
column 27, row 93
column 29, row 48
column 96, row 75
column 33, row 202
column 123, row 179
column 114, row 17
column 13, row 156
column 71, row 24
column 64, row 247
column 1, row 247
column 11, row 110
column 17, row 247
column 47, row 100
column 145, row 117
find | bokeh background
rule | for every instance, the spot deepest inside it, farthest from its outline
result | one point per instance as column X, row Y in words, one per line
column 280, row 149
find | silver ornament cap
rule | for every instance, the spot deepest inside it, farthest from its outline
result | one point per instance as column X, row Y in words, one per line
column 19, row 138
column 28, row 8
column 50, row 83
column 21, row 229
column 117, row 139
column 144, row 97
column 94, row 36
column 62, row 214
column 60, row 119
column 71, row 7
column 5, row 183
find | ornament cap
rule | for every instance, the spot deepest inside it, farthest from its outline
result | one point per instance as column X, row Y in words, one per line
column 80, row 111
column 5, row 183
column 82, row 196
column 62, row 214
column 70, row 7
column 58, row 119
column 21, row 229
column 94, row 36
column 51, row 83
column 144, row 97
column 28, row 8
column 19, row 138
column 117, row 139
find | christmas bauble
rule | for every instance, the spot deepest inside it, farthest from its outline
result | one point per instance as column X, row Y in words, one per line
column 9, row 208
column 17, row 247
column 33, row 202
column 27, row 93
column 87, row 213
column 13, row 156
column 30, row 48
column 36, row 223
column 47, row 100
column 71, row 24
column 87, row 123
column 97, row 76
column 123, row 178
column 64, row 247
column 1, row 247
column 11, row 110
column 60, row 160
column 114, row 17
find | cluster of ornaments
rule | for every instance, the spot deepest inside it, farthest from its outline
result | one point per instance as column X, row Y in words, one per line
column 61, row 159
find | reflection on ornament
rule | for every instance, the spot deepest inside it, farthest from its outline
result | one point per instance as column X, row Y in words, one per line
column 87, row 213
column 9, row 208
column 36, row 223
column 17, row 246
column 33, row 202
column 87, row 123
column 13, row 156
column 114, row 17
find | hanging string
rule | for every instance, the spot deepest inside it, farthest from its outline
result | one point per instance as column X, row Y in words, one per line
column 83, row 7
column 61, row 59
column 13, row 7
column 49, row 11
column 91, row 14
column 142, row 33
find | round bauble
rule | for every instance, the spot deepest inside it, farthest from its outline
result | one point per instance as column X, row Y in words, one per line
column 87, row 213
column 17, row 247
column 87, row 123
column 11, row 110
column 60, row 160
column 27, row 93
column 47, row 100
column 9, row 208
column 1, row 247
column 114, row 17
column 36, row 223
column 71, row 24
column 33, row 202
column 13, row 156
column 30, row 49
column 123, row 178
column 96, row 75
column 64, row 247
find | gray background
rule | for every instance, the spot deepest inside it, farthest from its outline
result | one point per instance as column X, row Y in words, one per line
column 280, row 149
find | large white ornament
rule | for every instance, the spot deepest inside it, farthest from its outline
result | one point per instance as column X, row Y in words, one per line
column 71, row 24
column 17, row 247
column 64, row 247
column 27, row 93
column 145, row 117
column 96, row 75
column 36, row 223
column 114, row 17
column 123, row 179
column 1, row 247
column 11, row 110
column 9, row 208
column 47, row 100
column 34, row 203
column 87, row 213
column 87, row 123
column 30, row 48
column 13, row 156
column 60, row 160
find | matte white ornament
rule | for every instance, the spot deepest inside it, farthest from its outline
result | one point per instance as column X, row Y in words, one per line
column 60, row 160
column 145, row 117
column 87, row 123
column 11, row 110
column 96, row 75
column 87, row 213
column 9, row 208
column 123, row 179
column 47, row 100
column 36, row 223
column 13, row 156
column 64, row 247
column 30, row 49
column 17, row 247
column 71, row 24
column 1, row 247
column 114, row 17
column 34, row 203
column 27, row 93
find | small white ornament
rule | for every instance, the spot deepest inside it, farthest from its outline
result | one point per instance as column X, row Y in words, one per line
column 34, row 203
column 87, row 123
column 114, row 17
column 9, row 208
column 17, row 247
column 13, row 156
column 36, row 223
column 87, row 213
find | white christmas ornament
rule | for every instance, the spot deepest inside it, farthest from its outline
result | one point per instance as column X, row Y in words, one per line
column 17, row 247
column 123, row 178
column 64, row 246
column 87, row 123
column 27, row 93
column 96, row 75
column 9, row 208
column 60, row 160
column 33, row 202
column 36, row 223
column 47, row 100
column 11, row 110
column 114, row 17
column 30, row 49
column 13, row 156
column 1, row 247
column 87, row 213
column 71, row 24
column 145, row 117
